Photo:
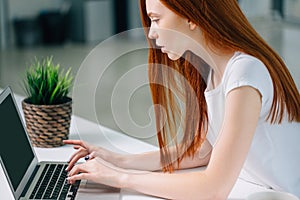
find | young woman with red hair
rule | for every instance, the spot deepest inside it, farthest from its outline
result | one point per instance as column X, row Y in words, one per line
column 226, row 99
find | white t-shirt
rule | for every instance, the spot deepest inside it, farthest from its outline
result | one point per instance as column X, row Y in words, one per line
column 274, row 157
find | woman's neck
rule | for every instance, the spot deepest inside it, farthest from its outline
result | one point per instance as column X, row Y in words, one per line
column 216, row 59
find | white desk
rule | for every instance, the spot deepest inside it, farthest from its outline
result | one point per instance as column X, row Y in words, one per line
column 99, row 135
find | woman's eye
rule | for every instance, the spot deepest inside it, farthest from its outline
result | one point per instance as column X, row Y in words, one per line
column 154, row 20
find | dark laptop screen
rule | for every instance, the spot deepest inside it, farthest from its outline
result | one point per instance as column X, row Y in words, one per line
column 15, row 149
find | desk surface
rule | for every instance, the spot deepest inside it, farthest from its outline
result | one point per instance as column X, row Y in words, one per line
column 115, row 141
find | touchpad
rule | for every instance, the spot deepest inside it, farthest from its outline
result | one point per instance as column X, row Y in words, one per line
column 91, row 190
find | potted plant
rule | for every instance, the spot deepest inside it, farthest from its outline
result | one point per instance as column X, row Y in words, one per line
column 47, row 108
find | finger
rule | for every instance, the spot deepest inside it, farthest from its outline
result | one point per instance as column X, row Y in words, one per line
column 72, row 179
column 70, row 165
column 79, row 143
column 77, row 152
column 81, row 168
column 77, row 155
column 77, row 147
column 92, row 155
column 74, row 160
column 74, row 142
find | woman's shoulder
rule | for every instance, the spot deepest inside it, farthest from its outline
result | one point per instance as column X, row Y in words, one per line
column 245, row 63
column 246, row 70
column 243, row 67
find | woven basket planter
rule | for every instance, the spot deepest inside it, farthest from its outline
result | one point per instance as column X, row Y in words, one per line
column 47, row 125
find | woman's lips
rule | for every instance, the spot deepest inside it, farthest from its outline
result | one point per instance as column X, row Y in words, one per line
column 162, row 48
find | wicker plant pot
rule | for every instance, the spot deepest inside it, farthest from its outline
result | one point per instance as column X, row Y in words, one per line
column 47, row 125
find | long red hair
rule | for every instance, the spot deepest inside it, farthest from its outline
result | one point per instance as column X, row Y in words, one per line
column 224, row 27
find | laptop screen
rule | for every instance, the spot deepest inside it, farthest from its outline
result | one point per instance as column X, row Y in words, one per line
column 15, row 150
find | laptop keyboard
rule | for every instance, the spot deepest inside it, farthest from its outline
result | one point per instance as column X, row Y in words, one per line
column 52, row 184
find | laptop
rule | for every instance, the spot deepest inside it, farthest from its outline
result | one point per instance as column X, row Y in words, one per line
column 28, row 178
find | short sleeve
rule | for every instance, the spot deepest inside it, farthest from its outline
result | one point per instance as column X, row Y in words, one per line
column 247, row 70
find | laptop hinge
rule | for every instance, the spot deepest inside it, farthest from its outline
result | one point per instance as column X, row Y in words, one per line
column 30, row 180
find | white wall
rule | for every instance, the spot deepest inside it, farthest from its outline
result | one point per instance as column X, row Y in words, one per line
column 256, row 8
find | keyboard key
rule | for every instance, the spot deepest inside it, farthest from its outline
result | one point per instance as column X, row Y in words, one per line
column 52, row 184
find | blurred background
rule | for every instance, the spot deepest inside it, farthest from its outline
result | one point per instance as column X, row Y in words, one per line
column 69, row 30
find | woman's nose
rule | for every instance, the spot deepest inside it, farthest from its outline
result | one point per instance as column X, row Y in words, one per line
column 152, row 33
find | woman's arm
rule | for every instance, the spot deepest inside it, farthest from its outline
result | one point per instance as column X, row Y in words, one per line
column 242, row 110
column 150, row 161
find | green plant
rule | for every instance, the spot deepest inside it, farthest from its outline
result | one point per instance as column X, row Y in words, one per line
column 46, row 84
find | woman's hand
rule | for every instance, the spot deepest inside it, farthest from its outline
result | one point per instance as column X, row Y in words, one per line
column 83, row 149
column 99, row 171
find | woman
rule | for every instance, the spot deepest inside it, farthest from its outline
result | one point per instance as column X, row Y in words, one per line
column 242, row 108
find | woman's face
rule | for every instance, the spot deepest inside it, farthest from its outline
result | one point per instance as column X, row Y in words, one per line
column 169, row 30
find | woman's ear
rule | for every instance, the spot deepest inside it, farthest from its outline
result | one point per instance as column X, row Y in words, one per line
column 192, row 25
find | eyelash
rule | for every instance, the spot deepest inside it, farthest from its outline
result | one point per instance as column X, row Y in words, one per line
column 154, row 20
